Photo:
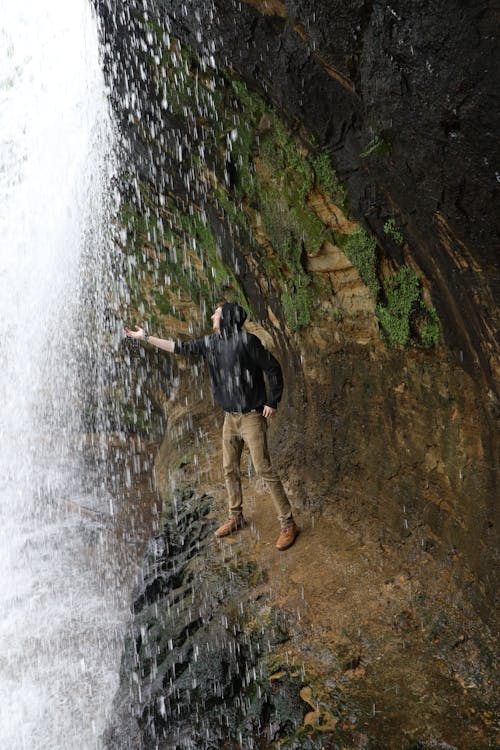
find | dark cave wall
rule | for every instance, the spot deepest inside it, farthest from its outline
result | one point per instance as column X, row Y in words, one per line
column 404, row 98
column 420, row 80
column 399, row 444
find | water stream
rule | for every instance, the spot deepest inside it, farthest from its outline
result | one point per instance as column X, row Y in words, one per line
column 61, row 611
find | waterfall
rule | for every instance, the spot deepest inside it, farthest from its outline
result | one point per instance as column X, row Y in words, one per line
column 61, row 613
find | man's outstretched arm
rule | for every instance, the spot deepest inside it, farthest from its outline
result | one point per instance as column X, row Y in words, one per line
column 140, row 335
column 197, row 347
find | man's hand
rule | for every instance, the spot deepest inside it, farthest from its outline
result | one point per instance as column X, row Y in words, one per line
column 139, row 333
column 268, row 411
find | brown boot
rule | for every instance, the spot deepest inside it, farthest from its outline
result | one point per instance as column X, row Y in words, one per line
column 232, row 524
column 287, row 537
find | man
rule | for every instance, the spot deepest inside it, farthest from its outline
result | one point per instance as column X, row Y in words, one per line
column 237, row 362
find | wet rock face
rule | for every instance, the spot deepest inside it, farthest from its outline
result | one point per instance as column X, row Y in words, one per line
column 405, row 99
column 195, row 667
column 399, row 444
column 406, row 102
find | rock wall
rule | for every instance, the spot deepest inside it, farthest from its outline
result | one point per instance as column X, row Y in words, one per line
column 332, row 167
column 253, row 177
column 345, row 641
column 197, row 660
column 405, row 100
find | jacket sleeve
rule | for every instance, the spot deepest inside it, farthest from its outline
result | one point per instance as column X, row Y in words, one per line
column 195, row 346
column 271, row 368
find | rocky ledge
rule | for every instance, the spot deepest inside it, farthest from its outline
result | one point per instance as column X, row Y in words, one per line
column 341, row 642
column 196, row 663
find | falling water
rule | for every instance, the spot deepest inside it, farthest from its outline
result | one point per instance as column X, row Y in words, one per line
column 61, row 617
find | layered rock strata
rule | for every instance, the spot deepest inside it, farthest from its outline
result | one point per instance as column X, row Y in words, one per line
column 333, row 169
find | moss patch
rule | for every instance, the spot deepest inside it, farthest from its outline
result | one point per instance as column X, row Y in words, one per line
column 361, row 248
column 404, row 318
column 172, row 254
column 239, row 157
column 297, row 302
column 327, row 179
column 378, row 145
column 430, row 329
column 392, row 231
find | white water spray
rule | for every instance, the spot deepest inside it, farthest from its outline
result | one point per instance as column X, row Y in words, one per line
column 59, row 623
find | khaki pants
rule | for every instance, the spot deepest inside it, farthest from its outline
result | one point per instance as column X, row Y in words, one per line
column 251, row 429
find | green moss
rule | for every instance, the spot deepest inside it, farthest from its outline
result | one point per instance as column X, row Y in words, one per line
column 251, row 163
column 377, row 145
column 279, row 189
column 404, row 318
column 160, row 266
column 280, row 225
column 391, row 229
column 215, row 273
column 274, row 269
column 164, row 307
column 249, row 107
column 430, row 329
column 241, row 150
column 360, row 248
column 289, row 222
column 251, row 103
column 297, row 303
column 402, row 292
column 295, row 166
column 327, row 179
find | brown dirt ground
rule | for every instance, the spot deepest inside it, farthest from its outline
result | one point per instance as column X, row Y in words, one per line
column 386, row 644
column 387, row 651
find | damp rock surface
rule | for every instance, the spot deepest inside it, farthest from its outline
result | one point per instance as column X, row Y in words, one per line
column 340, row 642
column 194, row 671
column 404, row 97
column 324, row 165
column 331, row 167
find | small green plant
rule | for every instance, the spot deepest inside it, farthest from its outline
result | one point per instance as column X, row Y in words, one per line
column 297, row 301
column 360, row 248
column 404, row 318
column 392, row 231
column 327, row 179
column 377, row 145
column 430, row 329
column 402, row 291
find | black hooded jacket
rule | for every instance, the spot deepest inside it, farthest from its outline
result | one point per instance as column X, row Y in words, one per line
column 237, row 362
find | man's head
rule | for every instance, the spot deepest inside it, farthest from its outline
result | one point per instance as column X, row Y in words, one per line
column 228, row 317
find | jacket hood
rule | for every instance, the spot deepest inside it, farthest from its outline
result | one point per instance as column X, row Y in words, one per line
column 232, row 318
